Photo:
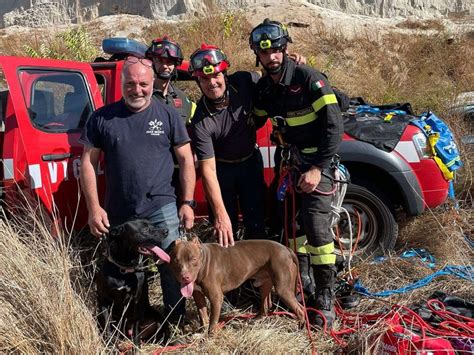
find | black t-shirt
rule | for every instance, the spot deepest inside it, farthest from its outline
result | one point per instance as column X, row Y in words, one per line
column 138, row 161
column 228, row 133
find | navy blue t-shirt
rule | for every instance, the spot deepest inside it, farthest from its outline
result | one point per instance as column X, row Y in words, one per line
column 138, row 162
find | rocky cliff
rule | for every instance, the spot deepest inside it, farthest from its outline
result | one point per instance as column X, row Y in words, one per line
column 36, row 13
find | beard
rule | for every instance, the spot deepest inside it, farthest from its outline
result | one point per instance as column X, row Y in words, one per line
column 274, row 69
column 165, row 75
column 137, row 103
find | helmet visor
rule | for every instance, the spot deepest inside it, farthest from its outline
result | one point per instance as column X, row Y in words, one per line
column 267, row 32
column 207, row 57
column 166, row 49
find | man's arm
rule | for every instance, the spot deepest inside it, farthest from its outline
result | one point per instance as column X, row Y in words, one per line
column 326, row 107
column 222, row 223
column 98, row 220
column 187, row 179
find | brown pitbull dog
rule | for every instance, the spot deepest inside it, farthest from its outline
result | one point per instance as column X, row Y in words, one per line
column 211, row 270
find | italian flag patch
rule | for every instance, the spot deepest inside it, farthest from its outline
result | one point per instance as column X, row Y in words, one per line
column 317, row 85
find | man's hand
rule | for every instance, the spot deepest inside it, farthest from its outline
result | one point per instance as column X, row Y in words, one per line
column 297, row 58
column 310, row 180
column 223, row 230
column 98, row 222
column 186, row 216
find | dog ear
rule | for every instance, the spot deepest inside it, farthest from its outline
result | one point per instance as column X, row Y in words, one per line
column 177, row 241
column 196, row 240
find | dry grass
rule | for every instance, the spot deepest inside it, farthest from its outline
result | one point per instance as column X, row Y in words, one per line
column 43, row 309
column 430, row 24
column 43, row 293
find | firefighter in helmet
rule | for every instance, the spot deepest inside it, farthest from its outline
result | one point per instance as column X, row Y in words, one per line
column 167, row 56
column 305, row 114
column 224, row 139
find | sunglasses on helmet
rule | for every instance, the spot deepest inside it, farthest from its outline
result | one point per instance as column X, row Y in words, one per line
column 205, row 58
column 268, row 31
column 146, row 62
column 166, row 49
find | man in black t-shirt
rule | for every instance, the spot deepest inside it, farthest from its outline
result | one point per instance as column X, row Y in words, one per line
column 137, row 135
column 224, row 139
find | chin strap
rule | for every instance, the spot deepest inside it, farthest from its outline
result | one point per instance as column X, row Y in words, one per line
column 220, row 99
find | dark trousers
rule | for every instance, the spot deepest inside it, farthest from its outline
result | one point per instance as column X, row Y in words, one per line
column 315, row 214
column 242, row 185
column 312, row 216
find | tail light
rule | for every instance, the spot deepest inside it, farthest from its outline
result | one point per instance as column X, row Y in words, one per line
column 421, row 145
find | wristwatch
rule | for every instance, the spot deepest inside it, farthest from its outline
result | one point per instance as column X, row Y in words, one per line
column 190, row 203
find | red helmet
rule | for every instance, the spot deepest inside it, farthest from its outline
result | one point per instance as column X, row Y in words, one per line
column 165, row 48
column 208, row 60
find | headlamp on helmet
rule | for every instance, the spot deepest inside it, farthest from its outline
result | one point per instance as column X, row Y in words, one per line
column 208, row 60
column 165, row 48
column 269, row 34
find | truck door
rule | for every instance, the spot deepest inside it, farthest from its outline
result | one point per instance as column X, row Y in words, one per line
column 50, row 100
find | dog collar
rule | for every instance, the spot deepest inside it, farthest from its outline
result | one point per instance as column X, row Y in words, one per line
column 126, row 269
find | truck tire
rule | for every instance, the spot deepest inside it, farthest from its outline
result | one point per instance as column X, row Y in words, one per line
column 378, row 228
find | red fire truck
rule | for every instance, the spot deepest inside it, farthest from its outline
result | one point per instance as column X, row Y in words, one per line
column 45, row 103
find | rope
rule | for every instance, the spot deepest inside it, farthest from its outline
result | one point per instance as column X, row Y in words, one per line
column 463, row 272
column 291, row 192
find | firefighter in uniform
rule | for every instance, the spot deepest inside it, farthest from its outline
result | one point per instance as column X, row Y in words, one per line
column 305, row 114
column 166, row 56
column 224, row 139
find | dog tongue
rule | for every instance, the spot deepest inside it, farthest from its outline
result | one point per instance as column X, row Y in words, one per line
column 160, row 253
column 187, row 289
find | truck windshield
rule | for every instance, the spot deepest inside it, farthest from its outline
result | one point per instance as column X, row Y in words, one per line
column 56, row 101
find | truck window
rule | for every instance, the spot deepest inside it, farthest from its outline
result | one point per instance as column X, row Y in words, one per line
column 3, row 100
column 102, row 87
column 56, row 101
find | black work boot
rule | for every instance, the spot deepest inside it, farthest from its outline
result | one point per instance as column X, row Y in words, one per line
column 306, row 272
column 323, row 300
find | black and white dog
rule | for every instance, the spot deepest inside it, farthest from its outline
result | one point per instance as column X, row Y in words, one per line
column 122, row 287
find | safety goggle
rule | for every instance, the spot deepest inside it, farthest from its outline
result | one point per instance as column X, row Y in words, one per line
column 146, row 62
column 206, row 60
column 268, row 33
column 166, row 48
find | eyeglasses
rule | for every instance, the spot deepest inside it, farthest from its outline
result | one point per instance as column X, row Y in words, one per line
column 267, row 32
column 166, row 49
column 206, row 58
column 146, row 62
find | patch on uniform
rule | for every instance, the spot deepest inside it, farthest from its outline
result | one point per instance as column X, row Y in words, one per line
column 178, row 102
column 317, row 85
column 295, row 89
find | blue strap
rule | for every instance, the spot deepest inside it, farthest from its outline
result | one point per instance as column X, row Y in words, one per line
column 463, row 272
column 423, row 254
column 375, row 110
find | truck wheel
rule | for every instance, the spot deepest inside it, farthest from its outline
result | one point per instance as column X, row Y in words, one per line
column 374, row 229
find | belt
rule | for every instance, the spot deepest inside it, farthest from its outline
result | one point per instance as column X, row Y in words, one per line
column 241, row 160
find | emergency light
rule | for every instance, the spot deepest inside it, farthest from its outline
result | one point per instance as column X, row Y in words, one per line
column 122, row 45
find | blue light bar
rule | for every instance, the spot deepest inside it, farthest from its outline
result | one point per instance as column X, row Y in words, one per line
column 122, row 45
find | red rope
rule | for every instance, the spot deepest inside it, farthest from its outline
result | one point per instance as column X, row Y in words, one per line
column 290, row 191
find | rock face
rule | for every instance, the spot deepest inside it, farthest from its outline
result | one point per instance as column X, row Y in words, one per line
column 36, row 13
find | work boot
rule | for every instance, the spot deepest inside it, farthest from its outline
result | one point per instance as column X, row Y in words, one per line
column 306, row 272
column 323, row 302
